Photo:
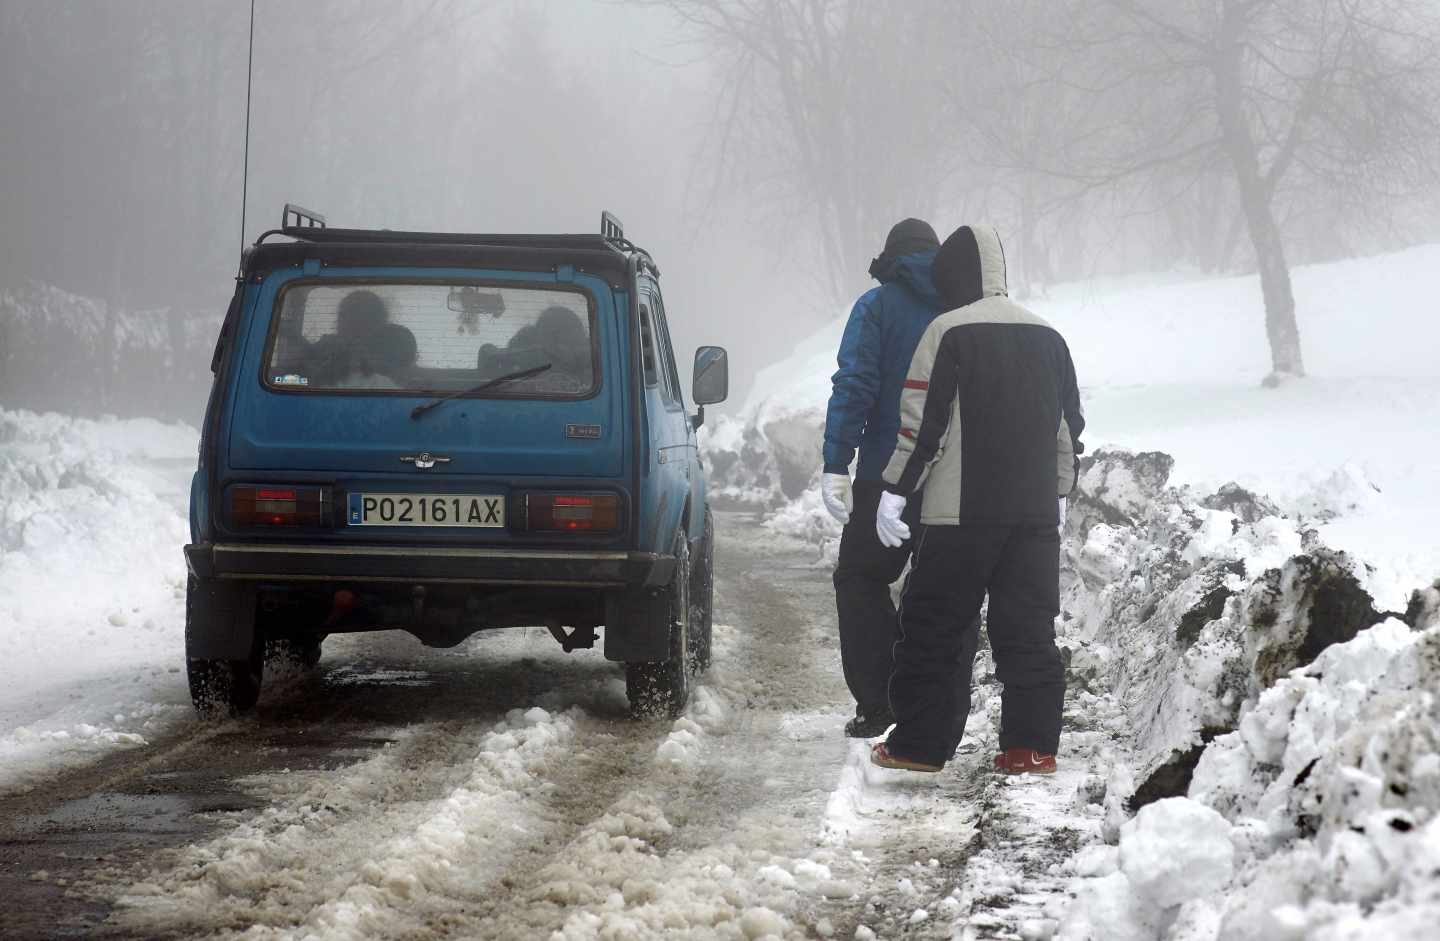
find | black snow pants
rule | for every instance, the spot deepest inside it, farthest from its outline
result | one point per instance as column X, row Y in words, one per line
column 864, row 573
column 1018, row 566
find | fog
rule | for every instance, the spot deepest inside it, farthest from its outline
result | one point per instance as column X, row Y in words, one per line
column 759, row 150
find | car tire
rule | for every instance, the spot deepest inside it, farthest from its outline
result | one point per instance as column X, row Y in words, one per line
column 662, row 687
column 702, row 597
column 221, row 688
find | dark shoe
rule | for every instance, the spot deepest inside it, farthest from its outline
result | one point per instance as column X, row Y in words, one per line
column 1024, row 761
column 867, row 727
column 880, row 756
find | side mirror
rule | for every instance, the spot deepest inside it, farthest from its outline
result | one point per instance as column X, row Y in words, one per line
column 712, row 376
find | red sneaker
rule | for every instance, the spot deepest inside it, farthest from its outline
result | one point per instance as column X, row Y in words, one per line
column 1024, row 761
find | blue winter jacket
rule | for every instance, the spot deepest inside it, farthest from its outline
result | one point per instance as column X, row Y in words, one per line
column 875, row 352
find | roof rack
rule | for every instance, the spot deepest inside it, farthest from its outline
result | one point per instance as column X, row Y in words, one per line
column 610, row 226
column 613, row 231
column 307, row 226
column 304, row 218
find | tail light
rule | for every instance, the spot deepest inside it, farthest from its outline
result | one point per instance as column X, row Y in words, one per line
column 279, row 506
column 572, row 512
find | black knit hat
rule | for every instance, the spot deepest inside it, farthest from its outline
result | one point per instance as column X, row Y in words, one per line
column 910, row 236
column 906, row 238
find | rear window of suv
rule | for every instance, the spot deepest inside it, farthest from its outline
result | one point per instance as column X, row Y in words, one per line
column 433, row 338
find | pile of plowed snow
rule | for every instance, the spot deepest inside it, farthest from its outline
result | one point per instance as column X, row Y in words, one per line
column 92, row 613
column 1316, row 818
column 1281, row 733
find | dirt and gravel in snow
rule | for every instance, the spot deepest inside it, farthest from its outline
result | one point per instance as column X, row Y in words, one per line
column 498, row 791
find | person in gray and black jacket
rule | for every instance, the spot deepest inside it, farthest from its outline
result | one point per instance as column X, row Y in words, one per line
column 990, row 425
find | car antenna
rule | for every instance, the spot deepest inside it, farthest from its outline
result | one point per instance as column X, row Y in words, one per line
column 245, row 163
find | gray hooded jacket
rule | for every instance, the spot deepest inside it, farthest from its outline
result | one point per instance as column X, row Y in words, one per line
column 990, row 416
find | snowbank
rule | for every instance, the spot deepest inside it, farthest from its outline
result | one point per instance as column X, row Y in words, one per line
column 1186, row 607
column 1176, row 850
column 1316, row 819
column 1280, row 734
column 769, row 450
column 92, row 613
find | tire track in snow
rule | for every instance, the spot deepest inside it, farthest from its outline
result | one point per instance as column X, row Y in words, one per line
column 528, row 841
column 716, row 837
column 398, row 842
column 315, row 842
column 126, row 809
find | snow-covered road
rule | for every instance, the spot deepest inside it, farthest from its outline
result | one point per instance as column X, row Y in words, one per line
column 498, row 791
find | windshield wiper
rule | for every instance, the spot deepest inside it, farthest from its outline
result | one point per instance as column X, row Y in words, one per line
column 419, row 410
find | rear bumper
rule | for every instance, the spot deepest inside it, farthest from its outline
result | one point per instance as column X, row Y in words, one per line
column 292, row 563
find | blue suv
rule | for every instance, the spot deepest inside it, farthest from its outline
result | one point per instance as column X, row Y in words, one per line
column 446, row 433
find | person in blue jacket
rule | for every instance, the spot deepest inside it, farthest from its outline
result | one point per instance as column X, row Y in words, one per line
column 880, row 338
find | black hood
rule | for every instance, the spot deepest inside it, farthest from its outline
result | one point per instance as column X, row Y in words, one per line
column 969, row 266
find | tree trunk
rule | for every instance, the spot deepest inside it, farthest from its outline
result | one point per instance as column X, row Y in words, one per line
column 1280, row 325
column 1255, row 202
column 1024, row 284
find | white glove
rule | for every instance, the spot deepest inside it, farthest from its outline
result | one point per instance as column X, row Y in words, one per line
column 888, row 525
column 835, row 491
column 1062, row 512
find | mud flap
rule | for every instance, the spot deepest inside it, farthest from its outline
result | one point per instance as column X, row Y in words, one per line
column 219, row 620
column 637, row 626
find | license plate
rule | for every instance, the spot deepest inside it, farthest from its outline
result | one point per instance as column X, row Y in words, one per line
column 476, row 511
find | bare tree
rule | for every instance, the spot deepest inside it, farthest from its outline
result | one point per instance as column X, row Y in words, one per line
column 1288, row 96
column 818, row 114
column 1012, row 116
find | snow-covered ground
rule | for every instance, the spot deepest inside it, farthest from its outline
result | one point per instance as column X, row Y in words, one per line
column 92, row 518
